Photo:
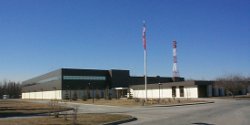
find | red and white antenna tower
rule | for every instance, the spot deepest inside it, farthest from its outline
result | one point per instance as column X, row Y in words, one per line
column 175, row 70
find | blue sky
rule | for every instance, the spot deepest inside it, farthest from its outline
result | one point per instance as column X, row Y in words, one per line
column 38, row 36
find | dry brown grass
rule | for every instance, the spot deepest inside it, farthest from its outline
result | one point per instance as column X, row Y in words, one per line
column 172, row 101
column 239, row 97
column 113, row 102
column 19, row 108
column 83, row 119
column 138, row 102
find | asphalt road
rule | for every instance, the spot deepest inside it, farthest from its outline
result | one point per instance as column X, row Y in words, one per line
column 222, row 112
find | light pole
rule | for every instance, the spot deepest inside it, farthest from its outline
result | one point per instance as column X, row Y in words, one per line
column 42, row 93
column 93, row 100
column 159, row 84
column 55, row 92
column 67, row 92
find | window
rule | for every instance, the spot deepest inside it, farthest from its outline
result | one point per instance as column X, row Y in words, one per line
column 173, row 91
column 101, row 78
column 181, row 91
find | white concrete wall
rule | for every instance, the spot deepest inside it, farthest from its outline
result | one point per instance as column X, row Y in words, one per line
column 60, row 94
column 138, row 93
column 166, row 93
column 156, row 93
column 189, row 92
column 57, row 94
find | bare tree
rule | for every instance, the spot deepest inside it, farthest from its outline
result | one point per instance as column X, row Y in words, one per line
column 75, row 113
column 13, row 89
column 54, row 108
column 248, row 78
column 233, row 84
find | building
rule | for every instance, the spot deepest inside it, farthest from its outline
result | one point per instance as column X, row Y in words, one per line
column 67, row 83
column 183, row 89
column 187, row 89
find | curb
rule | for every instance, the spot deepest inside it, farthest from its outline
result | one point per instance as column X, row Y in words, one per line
column 184, row 104
column 120, row 121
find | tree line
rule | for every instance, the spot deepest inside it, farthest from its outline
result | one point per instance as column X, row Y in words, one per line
column 233, row 84
column 10, row 88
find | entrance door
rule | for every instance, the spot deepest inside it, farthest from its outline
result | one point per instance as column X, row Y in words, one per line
column 121, row 92
column 202, row 91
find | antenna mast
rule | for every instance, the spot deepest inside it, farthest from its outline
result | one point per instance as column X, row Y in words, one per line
column 175, row 69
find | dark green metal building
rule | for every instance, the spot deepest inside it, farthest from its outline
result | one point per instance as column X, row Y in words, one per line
column 67, row 82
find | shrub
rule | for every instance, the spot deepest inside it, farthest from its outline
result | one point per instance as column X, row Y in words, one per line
column 54, row 107
column 97, row 96
column 169, row 100
column 178, row 100
column 110, row 96
column 67, row 96
column 136, row 100
column 75, row 96
column 75, row 115
column 84, row 98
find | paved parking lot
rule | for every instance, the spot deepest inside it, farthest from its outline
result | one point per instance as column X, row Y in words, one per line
column 222, row 112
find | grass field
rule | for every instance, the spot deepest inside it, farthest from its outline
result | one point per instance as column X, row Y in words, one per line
column 82, row 119
column 20, row 108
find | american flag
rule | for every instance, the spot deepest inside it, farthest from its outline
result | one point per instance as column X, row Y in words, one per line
column 144, row 36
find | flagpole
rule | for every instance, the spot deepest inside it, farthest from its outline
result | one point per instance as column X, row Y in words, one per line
column 145, row 73
column 145, row 58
